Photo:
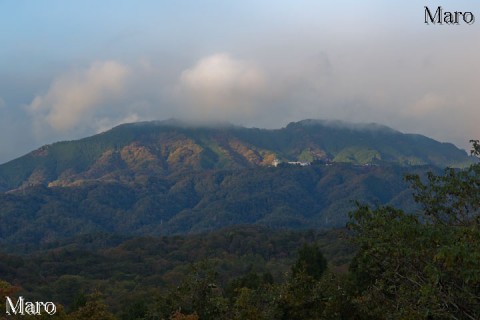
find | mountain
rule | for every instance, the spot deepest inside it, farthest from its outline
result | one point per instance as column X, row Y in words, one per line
column 162, row 178
column 133, row 152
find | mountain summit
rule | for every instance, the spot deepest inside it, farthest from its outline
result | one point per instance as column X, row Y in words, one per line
column 133, row 151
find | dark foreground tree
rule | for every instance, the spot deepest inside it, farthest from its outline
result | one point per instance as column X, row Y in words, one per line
column 311, row 261
column 94, row 309
column 424, row 266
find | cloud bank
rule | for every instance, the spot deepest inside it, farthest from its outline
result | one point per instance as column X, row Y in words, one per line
column 77, row 97
column 416, row 93
column 221, row 88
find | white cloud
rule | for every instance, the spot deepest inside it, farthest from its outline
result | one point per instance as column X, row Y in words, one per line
column 107, row 123
column 73, row 97
column 219, row 87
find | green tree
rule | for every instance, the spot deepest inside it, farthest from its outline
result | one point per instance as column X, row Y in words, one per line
column 300, row 297
column 255, row 304
column 135, row 311
column 94, row 309
column 311, row 261
column 422, row 266
column 199, row 294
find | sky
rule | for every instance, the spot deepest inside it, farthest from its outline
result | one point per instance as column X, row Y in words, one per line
column 71, row 69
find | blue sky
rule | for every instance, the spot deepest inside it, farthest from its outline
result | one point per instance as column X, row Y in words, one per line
column 69, row 69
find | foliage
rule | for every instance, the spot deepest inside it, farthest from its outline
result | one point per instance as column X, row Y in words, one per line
column 425, row 266
column 177, row 315
column 6, row 290
column 452, row 198
column 94, row 309
column 310, row 261
column 299, row 296
column 131, row 271
column 200, row 293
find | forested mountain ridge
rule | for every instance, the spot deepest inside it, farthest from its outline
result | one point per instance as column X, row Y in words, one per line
column 132, row 152
column 293, row 197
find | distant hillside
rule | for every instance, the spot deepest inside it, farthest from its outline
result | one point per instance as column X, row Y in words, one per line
column 293, row 197
column 133, row 152
column 130, row 269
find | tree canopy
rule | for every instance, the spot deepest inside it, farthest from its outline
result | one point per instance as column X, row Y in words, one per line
column 425, row 265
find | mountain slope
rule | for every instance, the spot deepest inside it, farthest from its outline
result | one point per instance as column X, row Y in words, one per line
column 132, row 152
column 293, row 197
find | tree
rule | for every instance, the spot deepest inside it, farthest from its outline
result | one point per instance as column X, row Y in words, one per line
column 177, row 315
column 300, row 297
column 311, row 261
column 199, row 294
column 6, row 290
column 427, row 265
column 453, row 198
column 94, row 309
column 255, row 304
